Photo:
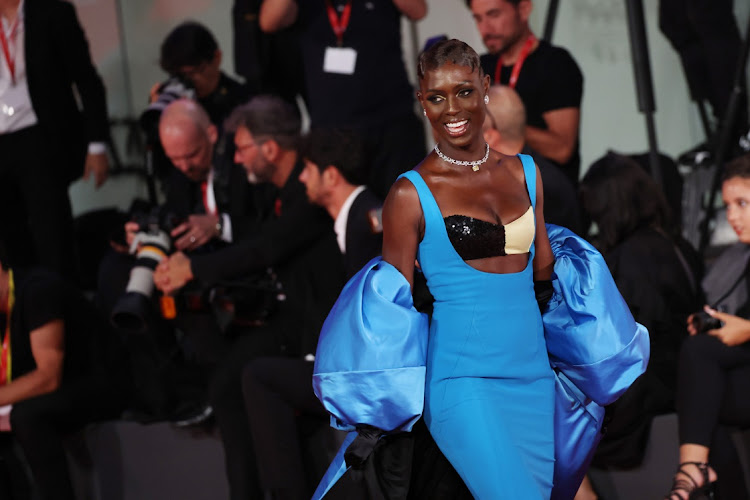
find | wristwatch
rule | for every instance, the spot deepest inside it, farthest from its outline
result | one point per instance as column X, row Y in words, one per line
column 220, row 226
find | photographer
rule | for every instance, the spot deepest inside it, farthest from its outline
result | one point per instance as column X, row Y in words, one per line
column 298, row 242
column 714, row 369
column 190, row 53
column 217, row 205
column 192, row 59
column 57, row 369
column 209, row 192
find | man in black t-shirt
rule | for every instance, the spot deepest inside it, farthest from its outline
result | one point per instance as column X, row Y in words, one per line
column 546, row 77
column 357, row 79
column 57, row 354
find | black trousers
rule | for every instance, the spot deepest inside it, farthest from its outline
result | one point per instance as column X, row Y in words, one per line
column 225, row 395
column 39, row 425
column 392, row 149
column 705, row 35
column 276, row 390
column 35, row 216
column 713, row 383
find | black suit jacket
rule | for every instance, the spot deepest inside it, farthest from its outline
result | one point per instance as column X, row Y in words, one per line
column 298, row 242
column 362, row 244
column 246, row 204
column 57, row 62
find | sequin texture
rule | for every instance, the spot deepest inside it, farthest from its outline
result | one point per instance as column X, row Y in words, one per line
column 475, row 238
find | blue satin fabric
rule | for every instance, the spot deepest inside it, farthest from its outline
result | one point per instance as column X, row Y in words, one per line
column 370, row 361
column 374, row 338
column 596, row 348
column 591, row 334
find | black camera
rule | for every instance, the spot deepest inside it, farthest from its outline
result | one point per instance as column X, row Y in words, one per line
column 247, row 301
column 171, row 90
column 152, row 243
column 703, row 322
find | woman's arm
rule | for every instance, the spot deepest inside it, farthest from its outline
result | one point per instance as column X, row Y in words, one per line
column 543, row 259
column 402, row 220
column 47, row 347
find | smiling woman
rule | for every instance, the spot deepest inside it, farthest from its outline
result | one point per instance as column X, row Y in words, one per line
column 482, row 243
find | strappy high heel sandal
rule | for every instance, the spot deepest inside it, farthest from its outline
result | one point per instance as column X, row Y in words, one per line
column 684, row 486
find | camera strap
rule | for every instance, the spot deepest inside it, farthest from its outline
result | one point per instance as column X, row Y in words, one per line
column 728, row 292
column 5, row 359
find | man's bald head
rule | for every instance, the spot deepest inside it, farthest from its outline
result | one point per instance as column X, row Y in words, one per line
column 182, row 112
column 188, row 136
column 505, row 123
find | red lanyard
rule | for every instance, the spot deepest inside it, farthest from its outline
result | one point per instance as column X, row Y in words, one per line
column 5, row 42
column 339, row 24
column 519, row 62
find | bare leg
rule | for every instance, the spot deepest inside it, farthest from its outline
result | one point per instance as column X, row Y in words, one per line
column 586, row 490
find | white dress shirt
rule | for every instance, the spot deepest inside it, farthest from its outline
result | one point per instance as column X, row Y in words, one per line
column 16, row 111
column 339, row 225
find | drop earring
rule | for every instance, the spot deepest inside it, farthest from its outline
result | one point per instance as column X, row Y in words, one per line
column 486, row 99
column 424, row 112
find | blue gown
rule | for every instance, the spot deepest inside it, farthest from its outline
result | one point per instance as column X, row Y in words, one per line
column 489, row 395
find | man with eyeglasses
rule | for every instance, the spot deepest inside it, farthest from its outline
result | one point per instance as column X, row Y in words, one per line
column 298, row 242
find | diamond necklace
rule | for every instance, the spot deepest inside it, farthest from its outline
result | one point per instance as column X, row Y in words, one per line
column 473, row 164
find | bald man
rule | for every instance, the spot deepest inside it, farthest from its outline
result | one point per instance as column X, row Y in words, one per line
column 505, row 131
column 219, row 207
column 207, row 188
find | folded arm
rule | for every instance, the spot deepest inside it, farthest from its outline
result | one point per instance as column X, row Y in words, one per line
column 559, row 140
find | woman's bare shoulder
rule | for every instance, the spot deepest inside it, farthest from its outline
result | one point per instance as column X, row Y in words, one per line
column 402, row 197
column 512, row 165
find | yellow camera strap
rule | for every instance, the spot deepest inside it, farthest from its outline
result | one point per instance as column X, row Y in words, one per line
column 6, row 366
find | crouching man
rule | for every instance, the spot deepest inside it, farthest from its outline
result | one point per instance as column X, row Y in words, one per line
column 56, row 357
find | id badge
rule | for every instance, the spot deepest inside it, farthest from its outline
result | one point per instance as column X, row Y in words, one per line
column 341, row 60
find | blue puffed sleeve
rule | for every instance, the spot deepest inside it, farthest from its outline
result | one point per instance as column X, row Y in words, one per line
column 591, row 334
column 371, row 355
column 596, row 348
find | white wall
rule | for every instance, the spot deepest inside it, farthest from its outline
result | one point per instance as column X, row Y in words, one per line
column 594, row 31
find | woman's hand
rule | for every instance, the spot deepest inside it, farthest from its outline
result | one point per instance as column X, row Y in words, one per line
column 735, row 331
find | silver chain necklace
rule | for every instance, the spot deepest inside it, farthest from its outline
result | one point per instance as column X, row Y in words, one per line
column 465, row 163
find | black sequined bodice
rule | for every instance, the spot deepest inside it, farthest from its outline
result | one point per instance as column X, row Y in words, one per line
column 475, row 238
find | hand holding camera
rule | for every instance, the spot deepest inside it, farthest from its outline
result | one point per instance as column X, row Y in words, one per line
column 148, row 238
column 730, row 329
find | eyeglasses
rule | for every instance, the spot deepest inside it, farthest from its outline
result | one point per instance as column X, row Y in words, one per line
column 191, row 72
column 241, row 148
